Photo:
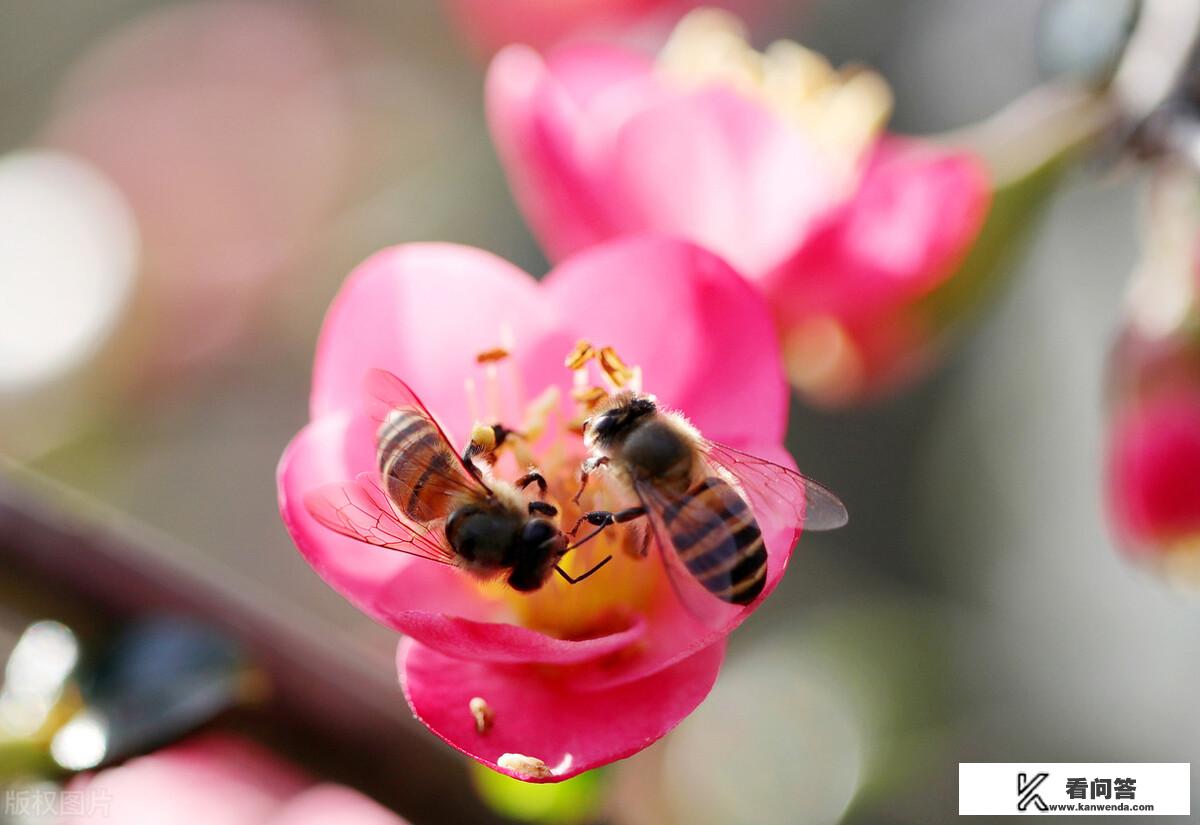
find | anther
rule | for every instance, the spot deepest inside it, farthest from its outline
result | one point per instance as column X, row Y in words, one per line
column 614, row 367
column 580, row 355
column 491, row 356
column 482, row 713
column 588, row 397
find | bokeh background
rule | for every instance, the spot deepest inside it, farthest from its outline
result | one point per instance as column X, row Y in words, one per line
column 194, row 181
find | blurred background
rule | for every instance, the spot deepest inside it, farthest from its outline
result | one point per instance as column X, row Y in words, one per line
column 183, row 187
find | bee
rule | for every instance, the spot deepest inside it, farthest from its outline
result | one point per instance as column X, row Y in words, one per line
column 703, row 500
column 426, row 500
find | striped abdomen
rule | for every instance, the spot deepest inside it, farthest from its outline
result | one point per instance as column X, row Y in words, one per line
column 416, row 465
column 717, row 538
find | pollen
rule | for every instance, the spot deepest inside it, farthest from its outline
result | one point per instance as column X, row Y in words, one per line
column 483, row 437
column 842, row 110
column 481, row 711
column 525, row 765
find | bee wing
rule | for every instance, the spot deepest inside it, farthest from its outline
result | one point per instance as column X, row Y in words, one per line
column 359, row 509
column 781, row 497
column 387, row 394
column 703, row 606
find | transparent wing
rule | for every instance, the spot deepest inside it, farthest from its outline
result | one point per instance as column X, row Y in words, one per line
column 359, row 509
column 669, row 519
column 386, row 395
column 780, row 497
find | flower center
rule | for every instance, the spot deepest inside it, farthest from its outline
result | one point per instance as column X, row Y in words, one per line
column 547, row 435
column 841, row 110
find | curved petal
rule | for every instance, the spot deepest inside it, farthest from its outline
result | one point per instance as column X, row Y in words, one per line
column 215, row 779
column 537, row 127
column 316, row 456
column 323, row 804
column 423, row 312
column 725, row 172
column 703, row 337
column 507, row 643
column 917, row 212
column 571, row 731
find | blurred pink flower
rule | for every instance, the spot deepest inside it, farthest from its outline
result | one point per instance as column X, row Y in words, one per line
column 492, row 24
column 216, row 779
column 226, row 128
column 774, row 161
column 574, row 676
column 1154, row 473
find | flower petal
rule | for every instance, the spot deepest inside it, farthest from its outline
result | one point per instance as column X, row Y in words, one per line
column 323, row 804
column 570, row 730
column 719, row 169
column 423, row 312
column 316, row 457
column 536, row 125
column 507, row 643
column 703, row 337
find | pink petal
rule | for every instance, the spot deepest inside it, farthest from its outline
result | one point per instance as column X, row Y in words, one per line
column 316, row 457
column 504, row 643
column 917, row 212
column 571, row 730
column 538, row 129
column 213, row 779
column 723, row 171
column 332, row 805
column 703, row 337
column 422, row 311
column 1154, row 489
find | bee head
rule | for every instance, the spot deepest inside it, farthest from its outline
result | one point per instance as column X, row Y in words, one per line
column 614, row 423
column 538, row 548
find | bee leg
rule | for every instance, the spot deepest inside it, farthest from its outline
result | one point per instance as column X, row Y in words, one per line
column 542, row 508
column 532, row 477
column 578, row 579
column 602, row 519
column 587, row 468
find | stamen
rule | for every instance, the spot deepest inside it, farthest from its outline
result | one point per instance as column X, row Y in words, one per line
column 588, row 397
column 472, row 399
column 492, row 391
column 482, row 712
column 614, row 367
column 841, row 110
column 578, row 357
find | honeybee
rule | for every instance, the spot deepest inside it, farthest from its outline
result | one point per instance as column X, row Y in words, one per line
column 426, row 500
column 702, row 499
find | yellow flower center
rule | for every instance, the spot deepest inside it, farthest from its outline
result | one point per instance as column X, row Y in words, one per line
column 841, row 110
column 549, row 437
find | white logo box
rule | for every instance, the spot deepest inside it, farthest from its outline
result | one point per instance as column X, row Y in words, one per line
column 1041, row 789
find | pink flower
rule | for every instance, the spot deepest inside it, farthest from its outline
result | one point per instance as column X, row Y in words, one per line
column 493, row 24
column 215, row 780
column 574, row 676
column 774, row 161
column 1154, row 473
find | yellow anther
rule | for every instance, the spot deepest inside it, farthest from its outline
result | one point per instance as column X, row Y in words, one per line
column 580, row 355
column 614, row 367
column 491, row 356
column 483, row 437
column 589, row 397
